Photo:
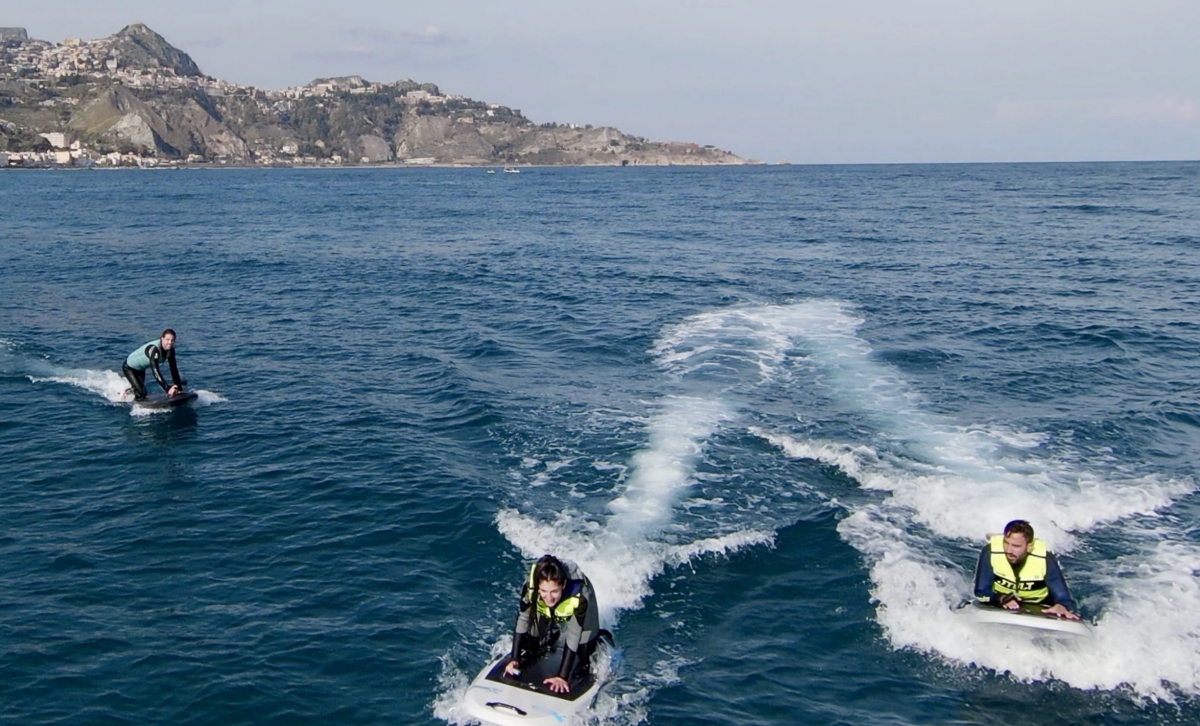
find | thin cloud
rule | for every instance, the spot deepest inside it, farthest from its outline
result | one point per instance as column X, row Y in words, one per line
column 429, row 36
column 1159, row 109
column 1134, row 109
column 381, row 52
column 1018, row 113
column 205, row 43
column 382, row 46
column 433, row 35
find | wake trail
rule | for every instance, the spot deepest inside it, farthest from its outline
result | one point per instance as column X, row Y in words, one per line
column 713, row 359
column 934, row 486
column 109, row 385
column 929, row 488
column 708, row 359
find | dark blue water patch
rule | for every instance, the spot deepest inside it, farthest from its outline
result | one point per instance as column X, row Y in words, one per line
column 1184, row 415
column 1183, row 240
column 795, row 613
column 1103, row 210
column 979, row 704
column 917, row 359
column 70, row 562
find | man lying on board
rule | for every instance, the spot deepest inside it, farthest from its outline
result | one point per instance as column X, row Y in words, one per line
column 1015, row 568
column 148, row 356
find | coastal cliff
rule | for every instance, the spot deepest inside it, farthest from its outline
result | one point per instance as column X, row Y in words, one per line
column 133, row 93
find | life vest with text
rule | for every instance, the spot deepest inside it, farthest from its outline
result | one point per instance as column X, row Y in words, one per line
column 1029, row 583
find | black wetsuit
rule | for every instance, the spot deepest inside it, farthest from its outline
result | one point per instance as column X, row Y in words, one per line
column 152, row 353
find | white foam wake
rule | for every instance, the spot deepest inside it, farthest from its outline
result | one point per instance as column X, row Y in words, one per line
column 1147, row 637
column 708, row 359
column 622, row 554
column 947, row 484
column 932, row 488
column 111, row 386
column 713, row 358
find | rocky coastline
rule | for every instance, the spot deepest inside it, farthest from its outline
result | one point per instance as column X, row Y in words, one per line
column 133, row 99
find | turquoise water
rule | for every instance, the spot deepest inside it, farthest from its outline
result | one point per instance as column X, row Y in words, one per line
column 772, row 412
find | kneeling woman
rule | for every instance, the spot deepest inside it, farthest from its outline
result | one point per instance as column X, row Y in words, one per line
column 557, row 603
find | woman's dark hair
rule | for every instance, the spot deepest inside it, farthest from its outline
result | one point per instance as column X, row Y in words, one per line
column 549, row 568
column 168, row 330
column 1019, row 525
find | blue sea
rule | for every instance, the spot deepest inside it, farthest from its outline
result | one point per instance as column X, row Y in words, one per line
column 772, row 412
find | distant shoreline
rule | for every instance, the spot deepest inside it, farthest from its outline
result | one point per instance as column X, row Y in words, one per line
column 265, row 167
column 215, row 167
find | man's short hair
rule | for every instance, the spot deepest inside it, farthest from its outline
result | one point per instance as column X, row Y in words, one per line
column 1019, row 525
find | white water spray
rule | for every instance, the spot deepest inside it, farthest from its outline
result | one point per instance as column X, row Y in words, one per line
column 110, row 385
column 706, row 357
column 969, row 482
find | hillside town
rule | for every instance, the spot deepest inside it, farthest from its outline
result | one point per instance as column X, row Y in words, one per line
column 35, row 62
column 133, row 100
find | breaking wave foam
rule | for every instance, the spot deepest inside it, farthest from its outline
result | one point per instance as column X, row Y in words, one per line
column 112, row 386
column 952, row 485
column 930, row 490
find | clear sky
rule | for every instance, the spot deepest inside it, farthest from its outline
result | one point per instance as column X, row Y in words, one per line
column 812, row 81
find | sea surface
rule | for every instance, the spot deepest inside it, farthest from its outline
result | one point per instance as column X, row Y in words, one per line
column 772, row 412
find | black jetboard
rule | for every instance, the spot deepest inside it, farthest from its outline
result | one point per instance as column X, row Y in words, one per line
column 162, row 400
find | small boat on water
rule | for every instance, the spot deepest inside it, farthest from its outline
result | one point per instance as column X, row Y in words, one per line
column 510, row 170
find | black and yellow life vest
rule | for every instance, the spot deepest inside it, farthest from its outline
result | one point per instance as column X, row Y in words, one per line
column 567, row 605
column 1029, row 584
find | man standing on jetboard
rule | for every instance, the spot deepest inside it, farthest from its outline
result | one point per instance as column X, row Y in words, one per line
column 148, row 356
column 1015, row 568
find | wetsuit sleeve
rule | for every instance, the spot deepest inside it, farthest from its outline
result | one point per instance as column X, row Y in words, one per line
column 521, row 629
column 1057, row 584
column 524, row 615
column 174, row 371
column 570, row 657
column 573, row 635
column 983, row 579
column 155, row 355
column 574, row 629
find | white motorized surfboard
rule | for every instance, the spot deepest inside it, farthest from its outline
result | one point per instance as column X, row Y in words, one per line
column 494, row 698
column 1028, row 617
column 162, row 400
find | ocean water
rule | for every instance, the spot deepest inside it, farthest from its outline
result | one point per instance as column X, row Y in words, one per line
column 772, row 412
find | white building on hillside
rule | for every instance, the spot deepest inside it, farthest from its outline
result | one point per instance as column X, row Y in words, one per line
column 57, row 140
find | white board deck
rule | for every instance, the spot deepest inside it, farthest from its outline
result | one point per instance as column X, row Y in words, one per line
column 1028, row 618
column 495, row 699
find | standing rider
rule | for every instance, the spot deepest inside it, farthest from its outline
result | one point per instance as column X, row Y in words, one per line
column 556, row 599
column 1014, row 568
column 148, row 356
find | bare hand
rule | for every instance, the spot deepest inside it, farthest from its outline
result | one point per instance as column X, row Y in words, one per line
column 512, row 669
column 556, row 684
column 1059, row 611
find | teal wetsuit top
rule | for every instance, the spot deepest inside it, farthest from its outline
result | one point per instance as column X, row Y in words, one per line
column 140, row 358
